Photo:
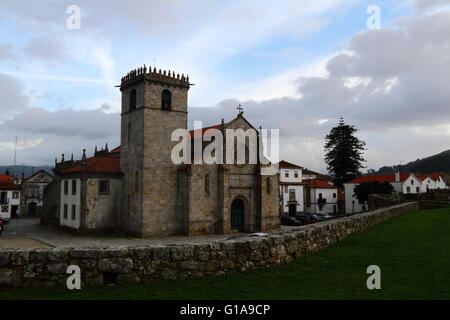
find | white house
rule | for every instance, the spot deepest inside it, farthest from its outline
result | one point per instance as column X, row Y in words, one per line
column 426, row 183
column 402, row 183
column 9, row 197
column 311, row 175
column 70, row 203
column 439, row 181
column 320, row 197
column 291, row 188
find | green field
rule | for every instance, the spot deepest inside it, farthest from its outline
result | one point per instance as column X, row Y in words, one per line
column 413, row 252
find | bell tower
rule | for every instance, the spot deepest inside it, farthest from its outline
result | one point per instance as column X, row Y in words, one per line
column 154, row 104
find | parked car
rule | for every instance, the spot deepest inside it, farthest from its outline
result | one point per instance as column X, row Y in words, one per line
column 290, row 221
column 324, row 215
column 302, row 218
column 313, row 217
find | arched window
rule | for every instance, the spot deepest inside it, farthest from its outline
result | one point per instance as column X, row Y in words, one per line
column 133, row 100
column 166, row 100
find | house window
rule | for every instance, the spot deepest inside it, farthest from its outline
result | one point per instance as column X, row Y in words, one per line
column 103, row 187
column 286, row 174
column 133, row 100
column 295, row 174
column 412, row 182
column 268, row 186
column 74, row 187
column 292, row 194
column 66, row 187
column 166, row 100
column 417, row 189
column 74, row 212
column 408, row 189
column 207, row 184
column 334, row 195
column 65, row 211
column 15, row 195
column 320, row 196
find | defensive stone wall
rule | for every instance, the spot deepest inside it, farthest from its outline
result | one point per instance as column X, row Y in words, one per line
column 47, row 267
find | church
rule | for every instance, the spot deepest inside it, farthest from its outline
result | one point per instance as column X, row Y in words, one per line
column 137, row 188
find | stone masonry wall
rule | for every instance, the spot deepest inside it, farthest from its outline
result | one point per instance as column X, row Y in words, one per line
column 47, row 267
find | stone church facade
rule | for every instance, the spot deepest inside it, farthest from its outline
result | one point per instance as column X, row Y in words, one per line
column 160, row 198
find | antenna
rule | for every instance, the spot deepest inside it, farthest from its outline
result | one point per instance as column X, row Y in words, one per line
column 15, row 154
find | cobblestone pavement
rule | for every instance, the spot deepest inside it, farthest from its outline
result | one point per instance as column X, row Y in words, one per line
column 29, row 233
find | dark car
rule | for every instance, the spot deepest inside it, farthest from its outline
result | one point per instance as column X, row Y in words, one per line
column 290, row 221
column 303, row 219
column 312, row 217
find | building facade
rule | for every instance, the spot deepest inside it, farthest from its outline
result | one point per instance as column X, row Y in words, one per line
column 321, row 197
column 407, row 183
column 291, row 188
column 9, row 198
column 32, row 199
column 151, row 195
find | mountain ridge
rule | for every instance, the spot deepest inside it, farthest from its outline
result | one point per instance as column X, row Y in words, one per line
column 436, row 163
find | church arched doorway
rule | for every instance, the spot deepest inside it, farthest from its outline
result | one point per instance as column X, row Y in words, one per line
column 237, row 214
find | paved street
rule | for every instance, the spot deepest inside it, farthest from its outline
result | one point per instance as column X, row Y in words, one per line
column 28, row 233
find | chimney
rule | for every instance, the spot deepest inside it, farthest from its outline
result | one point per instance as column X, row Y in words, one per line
column 397, row 176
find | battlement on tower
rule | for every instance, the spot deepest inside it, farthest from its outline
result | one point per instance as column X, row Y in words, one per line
column 155, row 76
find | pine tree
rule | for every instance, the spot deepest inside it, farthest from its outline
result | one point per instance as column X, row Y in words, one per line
column 343, row 153
column 7, row 172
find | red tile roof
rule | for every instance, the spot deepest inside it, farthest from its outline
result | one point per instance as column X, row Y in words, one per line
column 108, row 164
column 8, row 185
column 318, row 175
column 381, row 178
column 203, row 130
column 422, row 177
column 116, row 150
column 285, row 164
column 315, row 183
column 5, row 177
column 435, row 176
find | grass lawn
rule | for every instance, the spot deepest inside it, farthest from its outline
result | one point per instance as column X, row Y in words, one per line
column 413, row 252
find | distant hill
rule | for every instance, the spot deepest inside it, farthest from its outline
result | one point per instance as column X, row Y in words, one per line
column 25, row 169
column 437, row 163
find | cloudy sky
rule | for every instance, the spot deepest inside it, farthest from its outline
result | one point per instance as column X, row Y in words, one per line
column 296, row 65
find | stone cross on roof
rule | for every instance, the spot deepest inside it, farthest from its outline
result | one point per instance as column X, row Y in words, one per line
column 240, row 109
